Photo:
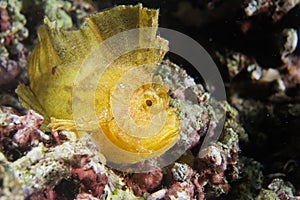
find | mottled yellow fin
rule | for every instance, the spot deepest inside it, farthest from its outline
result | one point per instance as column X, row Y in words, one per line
column 71, row 46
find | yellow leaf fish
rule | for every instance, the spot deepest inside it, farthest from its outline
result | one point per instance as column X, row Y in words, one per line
column 125, row 118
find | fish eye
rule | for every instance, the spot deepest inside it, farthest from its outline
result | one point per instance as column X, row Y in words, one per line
column 149, row 102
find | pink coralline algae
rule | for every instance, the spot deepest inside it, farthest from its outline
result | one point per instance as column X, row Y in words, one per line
column 5, row 25
column 19, row 132
column 13, row 54
column 185, row 183
column 146, row 182
column 90, row 182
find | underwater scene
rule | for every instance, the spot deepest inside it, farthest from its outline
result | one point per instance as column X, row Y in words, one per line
column 149, row 100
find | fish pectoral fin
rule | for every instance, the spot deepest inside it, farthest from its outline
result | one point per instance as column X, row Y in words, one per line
column 62, row 125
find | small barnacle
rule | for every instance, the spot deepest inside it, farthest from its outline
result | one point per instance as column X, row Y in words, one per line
column 180, row 172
